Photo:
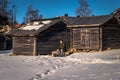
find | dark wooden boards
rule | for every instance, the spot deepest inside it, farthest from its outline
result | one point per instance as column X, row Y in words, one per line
column 86, row 38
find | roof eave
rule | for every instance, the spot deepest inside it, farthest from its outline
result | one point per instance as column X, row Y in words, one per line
column 84, row 25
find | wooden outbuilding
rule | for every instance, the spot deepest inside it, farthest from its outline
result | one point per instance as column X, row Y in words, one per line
column 40, row 37
column 96, row 32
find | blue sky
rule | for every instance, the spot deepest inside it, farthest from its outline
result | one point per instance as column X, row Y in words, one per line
column 53, row 8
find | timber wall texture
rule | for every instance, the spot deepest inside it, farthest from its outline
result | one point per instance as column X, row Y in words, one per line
column 86, row 38
column 111, row 37
column 23, row 45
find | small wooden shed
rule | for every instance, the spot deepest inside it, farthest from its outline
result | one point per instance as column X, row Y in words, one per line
column 40, row 37
column 96, row 32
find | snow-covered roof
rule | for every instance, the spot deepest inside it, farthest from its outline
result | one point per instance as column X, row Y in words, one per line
column 35, row 25
column 35, row 28
column 46, row 22
column 31, row 27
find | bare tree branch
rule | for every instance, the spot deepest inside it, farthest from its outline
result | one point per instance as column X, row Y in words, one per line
column 31, row 14
column 83, row 9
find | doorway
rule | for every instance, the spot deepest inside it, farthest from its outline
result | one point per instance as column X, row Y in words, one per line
column 85, row 39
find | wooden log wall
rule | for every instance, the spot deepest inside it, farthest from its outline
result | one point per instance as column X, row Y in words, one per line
column 86, row 38
column 95, row 38
column 48, row 40
column 23, row 45
column 111, row 37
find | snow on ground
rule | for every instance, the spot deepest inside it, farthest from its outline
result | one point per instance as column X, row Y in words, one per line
column 5, row 52
column 78, row 66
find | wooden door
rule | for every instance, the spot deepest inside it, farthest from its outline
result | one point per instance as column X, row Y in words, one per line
column 85, row 39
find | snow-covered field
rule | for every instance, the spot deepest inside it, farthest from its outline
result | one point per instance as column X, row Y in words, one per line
column 78, row 66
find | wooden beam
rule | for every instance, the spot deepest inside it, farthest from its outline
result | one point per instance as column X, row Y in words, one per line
column 13, row 44
column 100, row 38
column 34, row 47
column 71, row 38
column 84, row 25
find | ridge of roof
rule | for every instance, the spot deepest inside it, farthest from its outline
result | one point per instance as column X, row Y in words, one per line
column 55, row 18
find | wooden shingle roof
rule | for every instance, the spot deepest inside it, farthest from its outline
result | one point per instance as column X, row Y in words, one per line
column 69, row 21
column 91, row 21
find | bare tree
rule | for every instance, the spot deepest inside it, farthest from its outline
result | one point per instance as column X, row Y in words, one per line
column 4, row 11
column 31, row 14
column 83, row 9
column 4, row 7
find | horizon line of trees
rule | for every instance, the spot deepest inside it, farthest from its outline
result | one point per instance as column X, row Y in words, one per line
column 8, row 12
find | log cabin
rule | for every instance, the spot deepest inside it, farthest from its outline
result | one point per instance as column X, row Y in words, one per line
column 96, row 32
column 82, row 33
column 40, row 37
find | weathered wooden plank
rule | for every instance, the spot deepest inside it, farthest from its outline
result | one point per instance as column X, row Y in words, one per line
column 22, row 45
column 81, row 35
column 111, row 37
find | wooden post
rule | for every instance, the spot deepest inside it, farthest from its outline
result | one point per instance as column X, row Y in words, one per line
column 100, row 38
column 4, row 44
column 34, row 46
column 13, row 44
column 71, row 38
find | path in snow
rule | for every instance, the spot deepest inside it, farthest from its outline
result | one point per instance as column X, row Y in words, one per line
column 94, row 65
column 87, row 72
column 106, row 57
